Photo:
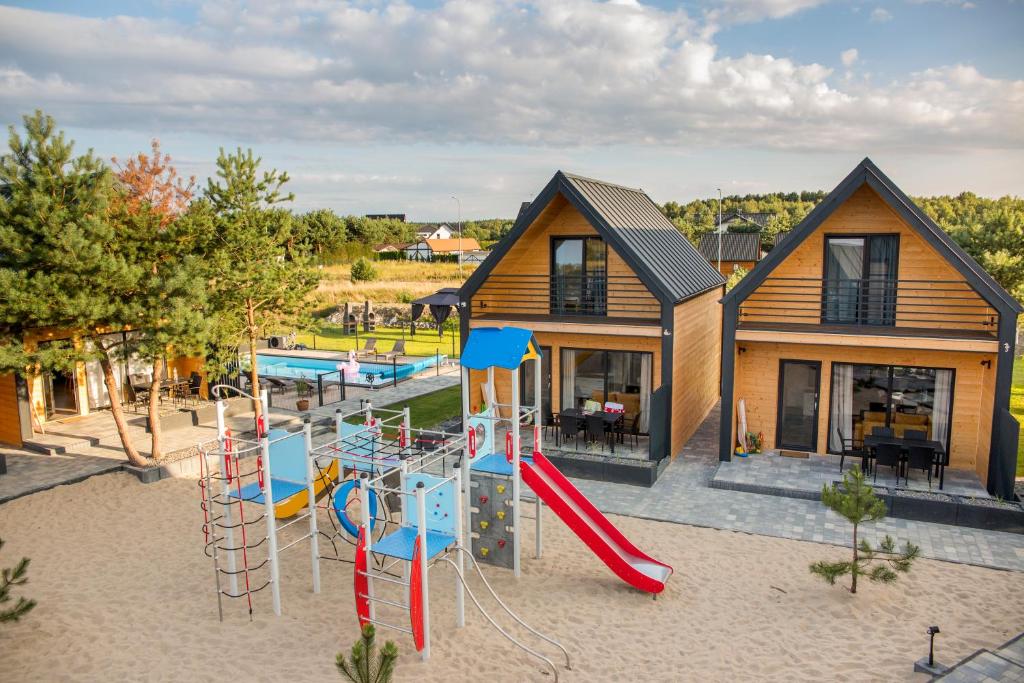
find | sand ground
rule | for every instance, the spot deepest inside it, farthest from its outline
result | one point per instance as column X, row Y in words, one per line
column 125, row 593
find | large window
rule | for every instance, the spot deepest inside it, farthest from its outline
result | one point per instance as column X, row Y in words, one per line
column 617, row 376
column 526, row 380
column 898, row 397
column 579, row 281
column 860, row 280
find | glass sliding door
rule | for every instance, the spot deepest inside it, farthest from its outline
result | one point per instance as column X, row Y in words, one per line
column 526, row 381
column 900, row 398
column 797, row 426
column 618, row 376
column 860, row 280
column 578, row 276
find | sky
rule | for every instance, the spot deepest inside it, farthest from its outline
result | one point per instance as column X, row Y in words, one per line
column 397, row 107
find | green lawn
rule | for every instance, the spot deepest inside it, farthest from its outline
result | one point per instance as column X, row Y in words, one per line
column 425, row 343
column 429, row 410
column 1017, row 408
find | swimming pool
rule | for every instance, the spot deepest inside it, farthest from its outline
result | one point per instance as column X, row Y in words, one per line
column 299, row 367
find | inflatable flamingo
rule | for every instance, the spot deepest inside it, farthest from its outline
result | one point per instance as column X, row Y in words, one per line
column 351, row 368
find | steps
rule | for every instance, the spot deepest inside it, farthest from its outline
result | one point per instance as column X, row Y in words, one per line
column 1003, row 664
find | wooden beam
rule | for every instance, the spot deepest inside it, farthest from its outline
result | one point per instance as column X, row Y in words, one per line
column 877, row 341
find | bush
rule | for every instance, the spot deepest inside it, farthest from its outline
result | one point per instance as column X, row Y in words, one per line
column 363, row 271
column 364, row 666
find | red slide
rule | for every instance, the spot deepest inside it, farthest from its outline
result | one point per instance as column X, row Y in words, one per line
column 622, row 557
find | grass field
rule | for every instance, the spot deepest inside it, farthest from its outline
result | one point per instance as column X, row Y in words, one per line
column 429, row 410
column 1017, row 408
column 425, row 343
column 397, row 282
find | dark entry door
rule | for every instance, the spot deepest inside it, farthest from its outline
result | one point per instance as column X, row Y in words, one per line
column 799, row 385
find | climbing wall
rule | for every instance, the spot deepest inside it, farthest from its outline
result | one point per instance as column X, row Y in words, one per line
column 491, row 518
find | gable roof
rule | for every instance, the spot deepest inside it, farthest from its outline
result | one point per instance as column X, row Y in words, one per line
column 866, row 173
column 736, row 246
column 629, row 221
column 453, row 244
column 760, row 219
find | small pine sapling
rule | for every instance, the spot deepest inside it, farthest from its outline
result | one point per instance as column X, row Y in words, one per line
column 362, row 666
column 8, row 579
column 855, row 500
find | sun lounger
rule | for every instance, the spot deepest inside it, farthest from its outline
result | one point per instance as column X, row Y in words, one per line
column 369, row 348
column 397, row 350
column 276, row 383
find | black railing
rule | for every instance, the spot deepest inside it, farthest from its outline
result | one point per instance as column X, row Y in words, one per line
column 879, row 302
column 623, row 296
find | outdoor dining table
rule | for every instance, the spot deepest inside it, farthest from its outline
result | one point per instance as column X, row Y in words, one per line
column 871, row 441
column 174, row 388
column 610, row 419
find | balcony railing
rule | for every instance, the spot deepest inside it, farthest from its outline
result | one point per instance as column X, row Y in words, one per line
column 616, row 296
column 869, row 302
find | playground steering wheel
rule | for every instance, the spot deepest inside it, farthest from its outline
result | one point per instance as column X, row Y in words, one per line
column 340, row 503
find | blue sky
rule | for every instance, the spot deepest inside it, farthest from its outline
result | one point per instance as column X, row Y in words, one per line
column 377, row 106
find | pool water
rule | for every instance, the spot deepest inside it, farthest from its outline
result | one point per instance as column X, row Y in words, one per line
column 299, row 367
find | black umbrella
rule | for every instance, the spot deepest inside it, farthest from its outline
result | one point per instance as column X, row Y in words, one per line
column 440, row 303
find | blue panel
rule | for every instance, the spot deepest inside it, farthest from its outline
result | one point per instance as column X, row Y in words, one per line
column 288, row 456
column 500, row 347
column 440, row 503
column 360, row 446
column 282, row 490
column 400, row 544
column 495, row 463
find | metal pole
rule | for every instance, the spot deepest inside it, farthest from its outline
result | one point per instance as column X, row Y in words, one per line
column 268, row 503
column 229, row 532
column 464, row 465
column 311, row 472
column 342, row 387
column 459, row 204
column 364, row 503
column 320, row 389
column 460, row 609
column 407, row 430
column 516, row 479
column 538, row 432
column 394, row 370
column 265, row 397
column 719, row 229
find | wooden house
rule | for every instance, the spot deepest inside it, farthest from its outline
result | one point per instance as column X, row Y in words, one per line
column 625, row 309
column 731, row 251
column 867, row 315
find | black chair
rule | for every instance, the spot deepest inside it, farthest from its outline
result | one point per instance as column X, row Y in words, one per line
column 569, row 428
column 596, row 431
column 853, row 449
column 915, row 434
column 888, row 455
column 195, row 384
column 633, row 431
column 140, row 390
column 550, row 422
column 920, row 458
column 881, row 431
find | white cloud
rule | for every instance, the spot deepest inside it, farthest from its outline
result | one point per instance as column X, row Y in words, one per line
column 552, row 73
column 880, row 15
column 756, row 10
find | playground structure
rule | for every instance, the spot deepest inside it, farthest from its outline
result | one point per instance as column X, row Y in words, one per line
column 426, row 498
column 494, row 475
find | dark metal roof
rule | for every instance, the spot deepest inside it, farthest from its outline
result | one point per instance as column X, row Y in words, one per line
column 736, row 246
column 760, row 219
column 866, row 173
column 632, row 224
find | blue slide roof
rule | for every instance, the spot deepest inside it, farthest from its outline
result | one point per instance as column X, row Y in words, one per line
column 501, row 347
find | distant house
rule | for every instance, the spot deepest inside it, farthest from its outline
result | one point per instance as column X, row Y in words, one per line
column 739, row 250
column 387, row 248
column 386, row 216
column 427, row 249
column 440, row 231
column 741, row 220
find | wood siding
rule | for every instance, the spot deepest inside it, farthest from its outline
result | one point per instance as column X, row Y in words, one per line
column 729, row 266
column 757, row 383
column 697, row 363
column 10, row 420
column 866, row 213
column 507, row 291
column 568, row 340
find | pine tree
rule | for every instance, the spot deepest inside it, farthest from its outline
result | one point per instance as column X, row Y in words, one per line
column 8, row 579
column 57, row 268
column 260, row 277
column 855, row 500
column 362, row 667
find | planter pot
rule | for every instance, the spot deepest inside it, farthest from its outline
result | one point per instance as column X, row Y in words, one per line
column 924, row 509
column 147, row 475
column 302, row 405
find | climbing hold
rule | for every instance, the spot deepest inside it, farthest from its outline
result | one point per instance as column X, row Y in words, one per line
column 484, row 551
column 501, row 488
column 501, row 514
column 484, row 525
column 483, row 500
column 501, row 542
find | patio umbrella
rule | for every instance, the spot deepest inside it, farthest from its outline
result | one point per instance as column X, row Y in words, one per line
column 440, row 303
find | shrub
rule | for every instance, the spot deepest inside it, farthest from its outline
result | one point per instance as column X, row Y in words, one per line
column 8, row 579
column 363, row 271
